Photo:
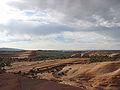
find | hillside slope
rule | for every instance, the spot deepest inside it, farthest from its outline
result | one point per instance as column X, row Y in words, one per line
column 76, row 72
column 13, row 82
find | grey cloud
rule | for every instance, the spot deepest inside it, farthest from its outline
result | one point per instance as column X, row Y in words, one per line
column 113, row 32
column 74, row 10
column 20, row 27
column 77, row 9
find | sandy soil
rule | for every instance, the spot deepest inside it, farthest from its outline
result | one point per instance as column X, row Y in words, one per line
column 12, row 82
column 26, row 66
column 77, row 72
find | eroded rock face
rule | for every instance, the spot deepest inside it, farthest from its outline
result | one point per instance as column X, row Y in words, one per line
column 76, row 55
column 115, row 55
column 86, row 55
column 93, row 76
column 81, row 55
column 75, row 72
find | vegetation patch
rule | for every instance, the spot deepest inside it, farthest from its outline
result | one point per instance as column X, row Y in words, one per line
column 103, row 59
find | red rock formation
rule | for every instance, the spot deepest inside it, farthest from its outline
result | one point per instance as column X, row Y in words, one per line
column 115, row 55
column 76, row 55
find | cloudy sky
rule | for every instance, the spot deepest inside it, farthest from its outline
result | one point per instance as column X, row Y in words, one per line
column 60, row 24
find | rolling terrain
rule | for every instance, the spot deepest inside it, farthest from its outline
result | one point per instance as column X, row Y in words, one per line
column 101, row 72
column 15, row 82
column 76, row 72
column 19, row 54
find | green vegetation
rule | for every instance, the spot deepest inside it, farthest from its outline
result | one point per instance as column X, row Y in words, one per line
column 5, row 62
column 54, row 54
column 51, row 55
column 33, row 72
column 42, row 55
column 103, row 59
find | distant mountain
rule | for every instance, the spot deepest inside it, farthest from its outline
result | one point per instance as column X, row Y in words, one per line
column 76, row 50
column 10, row 49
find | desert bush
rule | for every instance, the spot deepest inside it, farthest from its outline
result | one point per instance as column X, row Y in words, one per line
column 103, row 59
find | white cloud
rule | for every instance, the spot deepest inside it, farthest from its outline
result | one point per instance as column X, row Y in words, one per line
column 60, row 24
column 100, row 21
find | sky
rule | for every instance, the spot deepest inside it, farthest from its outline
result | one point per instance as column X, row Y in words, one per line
column 60, row 24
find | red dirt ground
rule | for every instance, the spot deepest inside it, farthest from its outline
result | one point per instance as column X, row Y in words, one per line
column 12, row 82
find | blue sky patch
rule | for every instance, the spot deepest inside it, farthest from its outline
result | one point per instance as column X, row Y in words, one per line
column 62, row 39
column 29, row 13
